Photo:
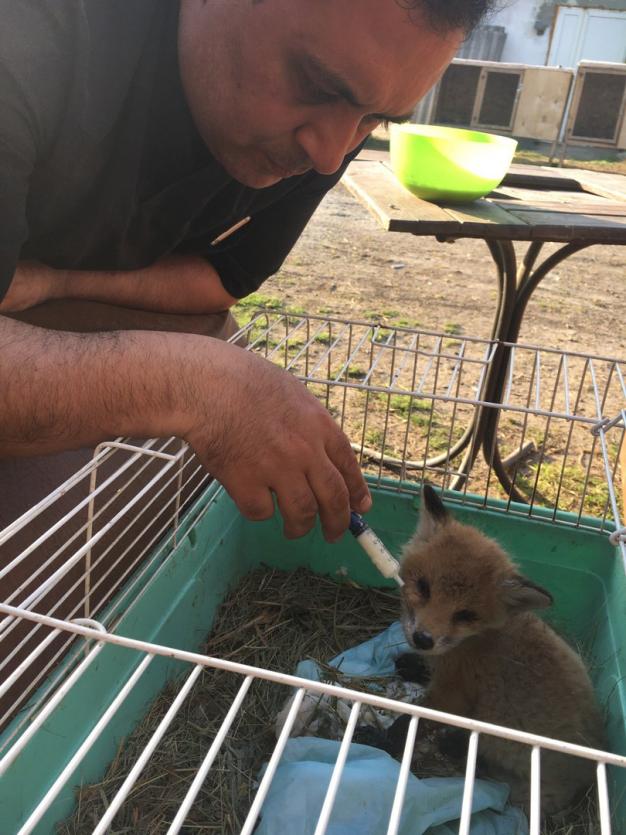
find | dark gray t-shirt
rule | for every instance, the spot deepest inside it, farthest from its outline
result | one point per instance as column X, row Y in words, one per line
column 101, row 166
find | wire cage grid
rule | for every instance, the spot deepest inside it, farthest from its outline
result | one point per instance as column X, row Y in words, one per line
column 409, row 399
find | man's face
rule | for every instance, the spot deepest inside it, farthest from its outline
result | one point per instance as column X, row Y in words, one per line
column 278, row 87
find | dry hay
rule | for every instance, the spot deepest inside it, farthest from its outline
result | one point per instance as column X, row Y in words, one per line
column 273, row 619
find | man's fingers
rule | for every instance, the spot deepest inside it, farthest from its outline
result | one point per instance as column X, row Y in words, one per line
column 255, row 502
column 332, row 497
column 298, row 506
column 342, row 456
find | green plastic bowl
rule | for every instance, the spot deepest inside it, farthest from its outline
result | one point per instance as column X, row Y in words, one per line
column 437, row 163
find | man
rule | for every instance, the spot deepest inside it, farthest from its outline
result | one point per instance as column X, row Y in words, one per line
column 134, row 133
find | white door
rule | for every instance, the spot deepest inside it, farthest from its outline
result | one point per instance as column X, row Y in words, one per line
column 587, row 35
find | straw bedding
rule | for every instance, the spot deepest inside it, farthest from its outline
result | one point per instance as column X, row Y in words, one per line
column 272, row 619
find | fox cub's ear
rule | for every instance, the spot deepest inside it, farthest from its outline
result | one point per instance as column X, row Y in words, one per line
column 521, row 594
column 432, row 514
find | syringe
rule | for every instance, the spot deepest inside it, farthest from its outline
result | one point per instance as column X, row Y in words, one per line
column 374, row 548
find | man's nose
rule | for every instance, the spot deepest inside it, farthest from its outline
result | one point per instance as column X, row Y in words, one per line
column 329, row 135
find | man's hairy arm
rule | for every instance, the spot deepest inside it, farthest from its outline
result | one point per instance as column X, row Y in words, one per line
column 253, row 425
column 63, row 391
column 175, row 284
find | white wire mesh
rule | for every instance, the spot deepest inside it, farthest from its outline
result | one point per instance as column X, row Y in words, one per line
column 408, row 400
column 195, row 662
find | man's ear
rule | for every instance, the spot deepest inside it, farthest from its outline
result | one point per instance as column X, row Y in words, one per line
column 432, row 514
column 521, row 595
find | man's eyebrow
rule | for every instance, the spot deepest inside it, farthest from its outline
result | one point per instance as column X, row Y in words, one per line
column 336, row 84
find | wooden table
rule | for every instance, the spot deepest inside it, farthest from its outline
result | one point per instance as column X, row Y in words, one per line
column 537, row 204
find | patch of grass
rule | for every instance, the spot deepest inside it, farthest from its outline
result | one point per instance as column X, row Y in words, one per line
column 374, row 437
column 407, row 323
column 243, row 315
column 406, row 407
column 571, row 479
column 259, row 300
column 453, row 328
column 269, row 343
column 391, row 314
column 440, row 438
column 355, row 373
column 535, row 158
column 296, row 340
column 383, row 335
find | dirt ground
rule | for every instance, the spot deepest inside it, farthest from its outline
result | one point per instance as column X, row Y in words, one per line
column 346, row 264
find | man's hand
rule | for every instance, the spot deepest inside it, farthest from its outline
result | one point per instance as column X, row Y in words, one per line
column 32, row 284
column 253, row 425
column 266, row 434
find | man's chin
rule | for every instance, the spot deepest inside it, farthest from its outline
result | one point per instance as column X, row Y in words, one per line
column 249, row 174
column 253, row 178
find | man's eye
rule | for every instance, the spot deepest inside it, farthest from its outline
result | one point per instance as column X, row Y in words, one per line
column 310, row 94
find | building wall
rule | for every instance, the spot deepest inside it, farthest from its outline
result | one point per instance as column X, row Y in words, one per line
column 523, row 45
column 524, row 21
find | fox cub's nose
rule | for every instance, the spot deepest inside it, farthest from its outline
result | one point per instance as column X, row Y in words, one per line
column 423, row 640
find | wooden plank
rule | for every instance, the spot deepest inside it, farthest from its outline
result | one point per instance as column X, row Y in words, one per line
column 599, row 183
column 605, row 209
column 557, row 226
column 611, row 186
column 537, row 176
column 547, row 196
column 400, row 211
column 395, row 207
column 485, row 218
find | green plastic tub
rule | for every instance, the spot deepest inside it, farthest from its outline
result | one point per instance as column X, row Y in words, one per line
column 217, row 547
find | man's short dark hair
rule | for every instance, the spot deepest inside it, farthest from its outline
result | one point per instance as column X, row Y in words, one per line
column 445, row 15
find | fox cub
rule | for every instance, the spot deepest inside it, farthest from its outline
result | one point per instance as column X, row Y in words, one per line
column 469, row 611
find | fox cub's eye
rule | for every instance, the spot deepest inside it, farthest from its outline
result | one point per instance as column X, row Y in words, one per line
column 423, row 587
column 464, row 616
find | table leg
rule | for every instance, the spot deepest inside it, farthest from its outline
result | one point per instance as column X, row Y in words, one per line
column 503, row 255
column 528, row 279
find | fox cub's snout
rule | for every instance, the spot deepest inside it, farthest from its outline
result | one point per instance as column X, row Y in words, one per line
column 466, row 607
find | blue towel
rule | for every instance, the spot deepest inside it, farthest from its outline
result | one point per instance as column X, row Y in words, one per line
column 368, row 782
column 365, row 796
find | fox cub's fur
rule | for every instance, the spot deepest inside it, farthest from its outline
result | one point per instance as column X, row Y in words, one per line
column 468, row 609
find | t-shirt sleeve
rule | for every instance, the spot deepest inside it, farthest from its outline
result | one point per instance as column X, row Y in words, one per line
column 33, row 65
column 256, row 251
column 17, row 155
